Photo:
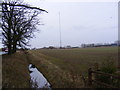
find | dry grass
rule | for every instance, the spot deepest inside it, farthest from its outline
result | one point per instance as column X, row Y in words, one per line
column 16, row 75
column 79, row 60
column 62, row 68
column 57, row 77
column 70, row 64
column 15, row 71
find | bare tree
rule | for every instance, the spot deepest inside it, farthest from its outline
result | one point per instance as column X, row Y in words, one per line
column 19, row 23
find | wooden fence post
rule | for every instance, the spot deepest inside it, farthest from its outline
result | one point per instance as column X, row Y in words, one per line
column 90, row 76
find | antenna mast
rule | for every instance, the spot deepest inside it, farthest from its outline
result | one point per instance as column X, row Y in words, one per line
column 60, row 31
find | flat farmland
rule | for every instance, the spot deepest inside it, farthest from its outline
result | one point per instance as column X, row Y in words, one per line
column 78, row 60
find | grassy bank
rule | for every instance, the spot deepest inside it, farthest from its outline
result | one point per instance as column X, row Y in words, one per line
column 14, row 71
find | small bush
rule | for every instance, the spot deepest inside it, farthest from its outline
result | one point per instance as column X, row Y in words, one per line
column 109, row 67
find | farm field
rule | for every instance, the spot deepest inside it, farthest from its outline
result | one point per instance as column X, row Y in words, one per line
column 63, row 68
column 80, row 59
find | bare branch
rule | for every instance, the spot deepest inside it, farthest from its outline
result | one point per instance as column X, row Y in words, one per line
column 25, row 6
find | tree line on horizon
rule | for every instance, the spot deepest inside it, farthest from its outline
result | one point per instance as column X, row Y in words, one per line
column 116, row 43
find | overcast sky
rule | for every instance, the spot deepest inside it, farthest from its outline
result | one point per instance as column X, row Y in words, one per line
column 81, row 22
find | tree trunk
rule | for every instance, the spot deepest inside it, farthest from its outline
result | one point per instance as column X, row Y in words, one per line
column 9, row 49
column 9, row 42
column 14, row 46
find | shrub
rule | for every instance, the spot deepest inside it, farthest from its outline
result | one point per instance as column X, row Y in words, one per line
column 109, row 67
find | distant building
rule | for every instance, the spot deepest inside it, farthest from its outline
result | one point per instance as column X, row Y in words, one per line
column 75, row 47
column 87, row 45
column 68, row 46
